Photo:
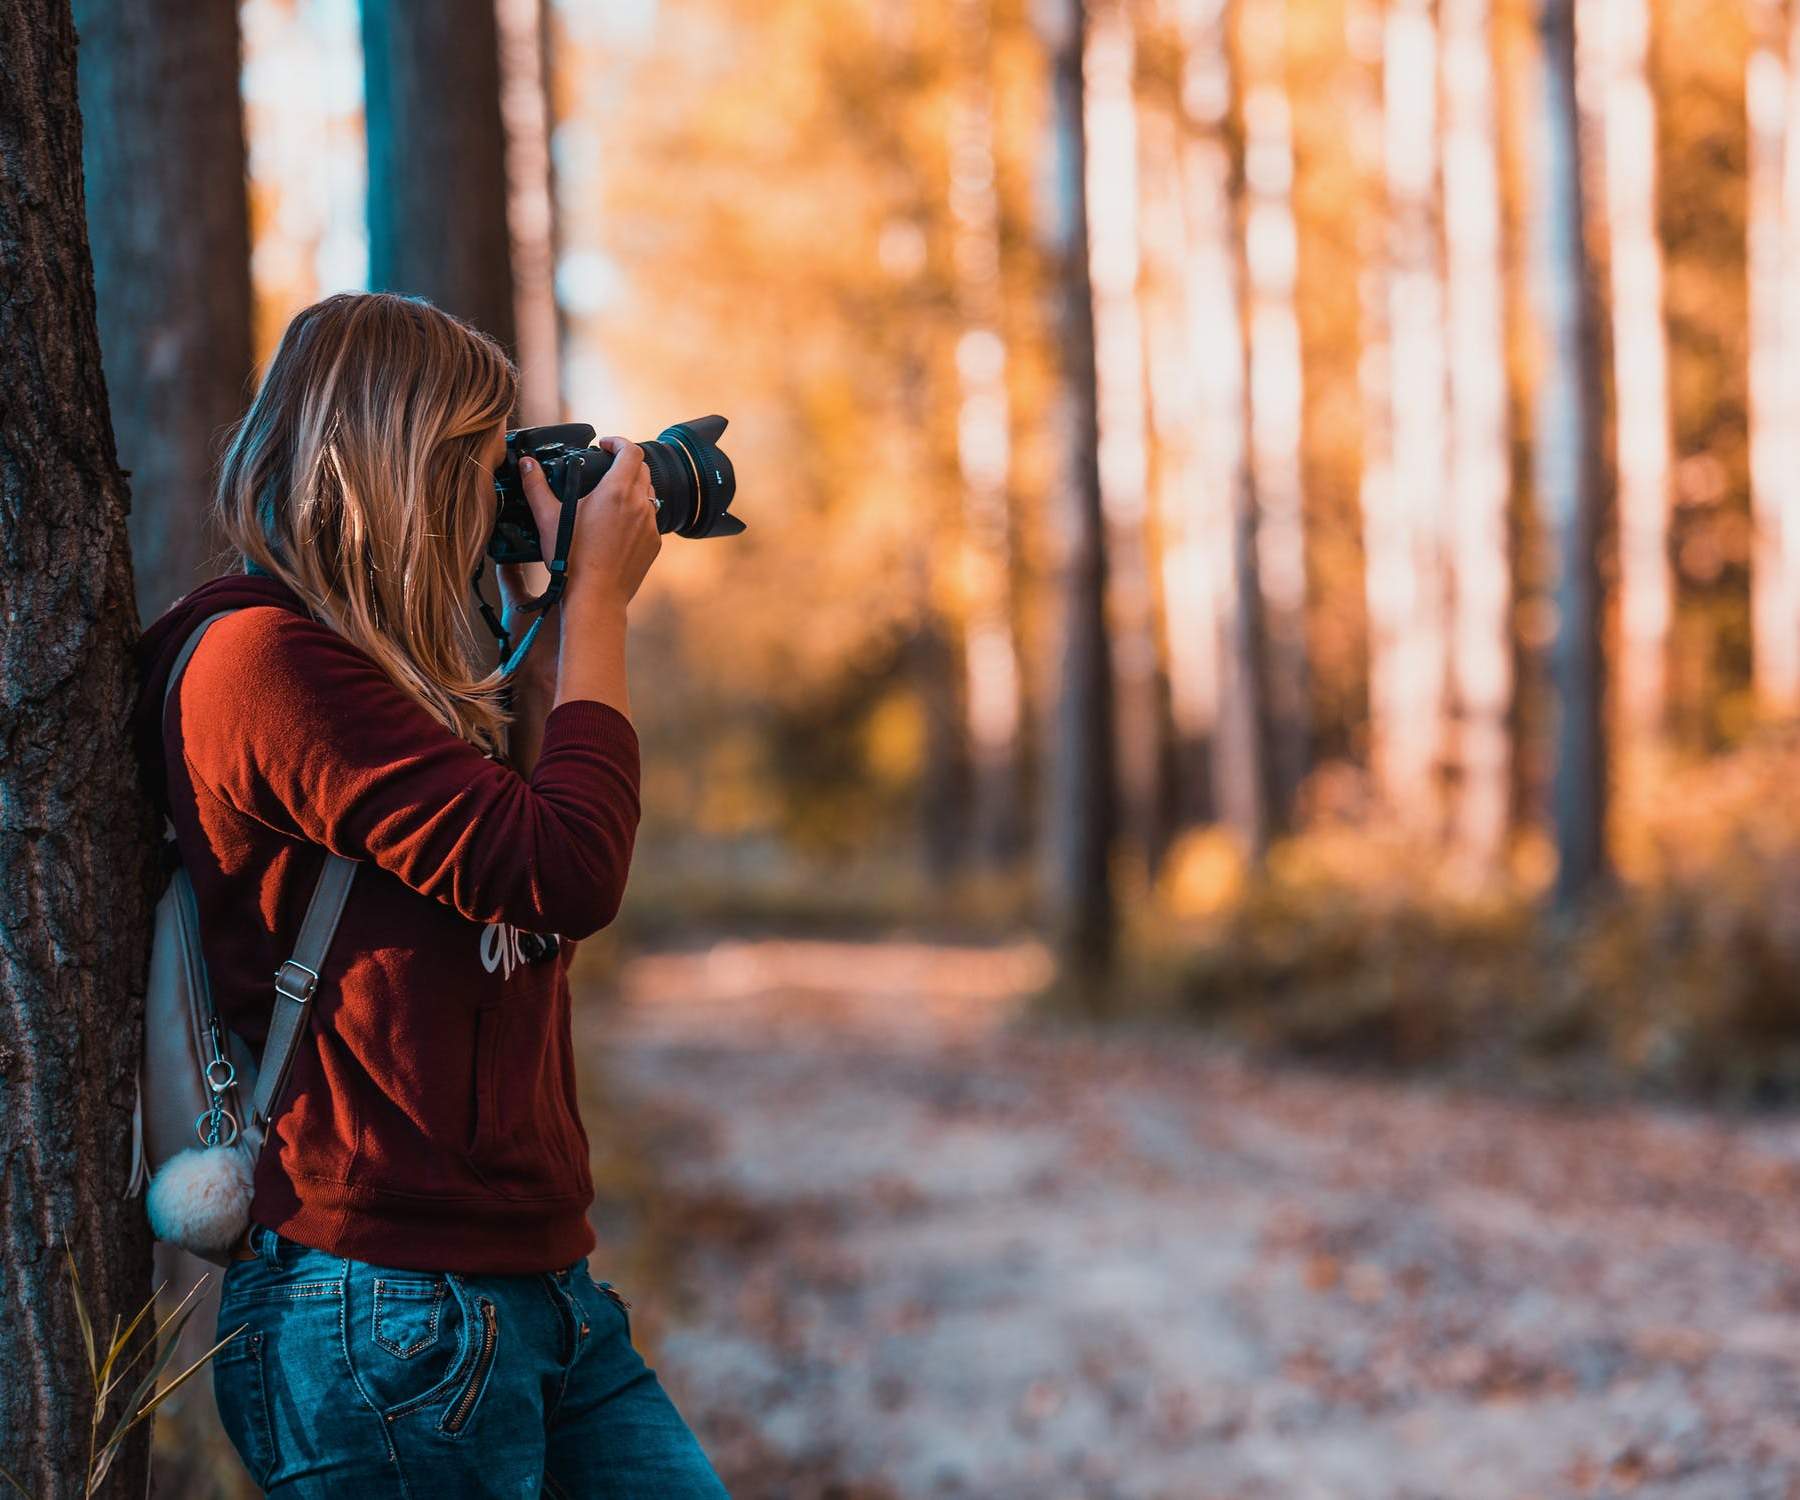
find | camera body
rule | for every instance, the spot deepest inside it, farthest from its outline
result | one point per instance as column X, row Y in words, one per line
column 689, row 472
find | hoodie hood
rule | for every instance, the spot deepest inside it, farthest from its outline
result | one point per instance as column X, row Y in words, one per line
column 161, row 643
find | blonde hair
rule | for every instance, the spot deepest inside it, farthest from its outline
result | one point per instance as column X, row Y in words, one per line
column 356, row 477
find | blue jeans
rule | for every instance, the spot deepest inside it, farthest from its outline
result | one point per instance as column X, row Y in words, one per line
column 355, row 1380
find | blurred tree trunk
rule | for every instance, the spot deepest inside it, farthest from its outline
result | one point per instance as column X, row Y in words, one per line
column 168, row 219
column 76, row 843
column 530, row 214
column 1114, row 255
column 1211, row 588
column 1187, row 571
column 992, row 688
column 1480, row 478
column 1569, row 466
column 1406, row 524
column 1276, row 636
column 1773, row 106
column 437, row 158
column 1619, row 58
column 1080, row 818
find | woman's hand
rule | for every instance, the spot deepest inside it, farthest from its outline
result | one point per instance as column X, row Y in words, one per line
column 520, row 582
column 616, row 538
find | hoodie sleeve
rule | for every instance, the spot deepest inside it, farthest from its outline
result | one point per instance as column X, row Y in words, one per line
column 284, row 720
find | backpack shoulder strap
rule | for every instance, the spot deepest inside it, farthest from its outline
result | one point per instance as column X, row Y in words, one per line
column 187, row 650
column 295, row 982
column 298, row 977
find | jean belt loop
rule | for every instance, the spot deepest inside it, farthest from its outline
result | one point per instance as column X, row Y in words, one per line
column 267, row 1244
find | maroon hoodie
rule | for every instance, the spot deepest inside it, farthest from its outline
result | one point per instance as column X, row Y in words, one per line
column 431, row 1120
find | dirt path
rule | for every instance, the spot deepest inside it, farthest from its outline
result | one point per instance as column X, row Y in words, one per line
column 905, row 1248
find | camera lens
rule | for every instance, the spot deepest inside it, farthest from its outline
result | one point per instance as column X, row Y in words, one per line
column 693, row 478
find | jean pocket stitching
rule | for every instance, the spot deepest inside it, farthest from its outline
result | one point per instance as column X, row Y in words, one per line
column 450, row 1378
column 241, row 1360
column 391, row 1289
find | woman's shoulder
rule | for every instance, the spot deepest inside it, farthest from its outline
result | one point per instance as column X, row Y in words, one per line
column 265, row 658
column 263, row 638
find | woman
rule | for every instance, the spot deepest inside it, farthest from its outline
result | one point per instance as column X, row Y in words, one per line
column 413, row 1292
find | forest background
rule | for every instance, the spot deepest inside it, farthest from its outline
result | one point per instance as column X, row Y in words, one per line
column 1285, row 513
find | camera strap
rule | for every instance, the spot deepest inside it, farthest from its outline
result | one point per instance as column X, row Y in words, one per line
column 559, row 576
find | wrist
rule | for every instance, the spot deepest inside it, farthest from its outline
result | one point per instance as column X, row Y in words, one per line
column 593, row 605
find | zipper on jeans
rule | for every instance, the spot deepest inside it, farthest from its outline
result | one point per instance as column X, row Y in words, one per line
column 484, row 1356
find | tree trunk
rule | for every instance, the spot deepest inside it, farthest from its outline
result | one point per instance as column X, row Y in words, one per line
column 437, row 158
column 1080, row 818
column 1480, row 478
column 991, row 673
column 1277, row 533
column 530, row 213
column 1114, row 256
column 1210, row 581
column 1640, row 347
column 1773, row 106
column 164, row 160
column 1568, row 464
column 76, row 841
column 1406, row 527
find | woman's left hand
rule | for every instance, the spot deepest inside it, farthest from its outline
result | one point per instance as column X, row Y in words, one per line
column 520, row 582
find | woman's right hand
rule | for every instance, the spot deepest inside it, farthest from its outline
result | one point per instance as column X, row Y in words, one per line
column 615, row 538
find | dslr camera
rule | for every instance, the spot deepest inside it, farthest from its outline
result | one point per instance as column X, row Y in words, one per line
column 690, row 473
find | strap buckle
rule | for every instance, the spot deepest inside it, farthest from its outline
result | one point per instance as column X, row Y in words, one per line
column 294, row 981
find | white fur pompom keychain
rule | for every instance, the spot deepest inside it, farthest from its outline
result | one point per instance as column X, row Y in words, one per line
column 200, row 1198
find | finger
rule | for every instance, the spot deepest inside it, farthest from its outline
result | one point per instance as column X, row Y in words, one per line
column 545, row 507
column 628, row 458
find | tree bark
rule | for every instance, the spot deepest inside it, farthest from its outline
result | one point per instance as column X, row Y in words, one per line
column 163, row 152
column 1081, row 816
column 1569, row 467
column 1480, row 477
column 437, row 159
column 530, row 213
column 76, row 842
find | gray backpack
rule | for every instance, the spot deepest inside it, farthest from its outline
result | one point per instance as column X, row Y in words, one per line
column 203, row 1101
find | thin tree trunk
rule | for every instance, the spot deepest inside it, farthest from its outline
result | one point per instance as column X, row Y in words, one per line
column 1114, row 255
column 1787, row 648
column 1407, row 586
column 1080, row 818
column 1569, row 467
column 525, row 112
column 1209, row 554
column 1480, row 478
column 437, row 158
column 164, row 160
column 76, row 841
column 1620, row 56
column 1189, row 587
column 1775, row 649
column 991, row 673
column 1773, row 104
column 1272, row 628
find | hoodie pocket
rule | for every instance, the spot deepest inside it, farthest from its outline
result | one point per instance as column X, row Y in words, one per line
column 489, row 1020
